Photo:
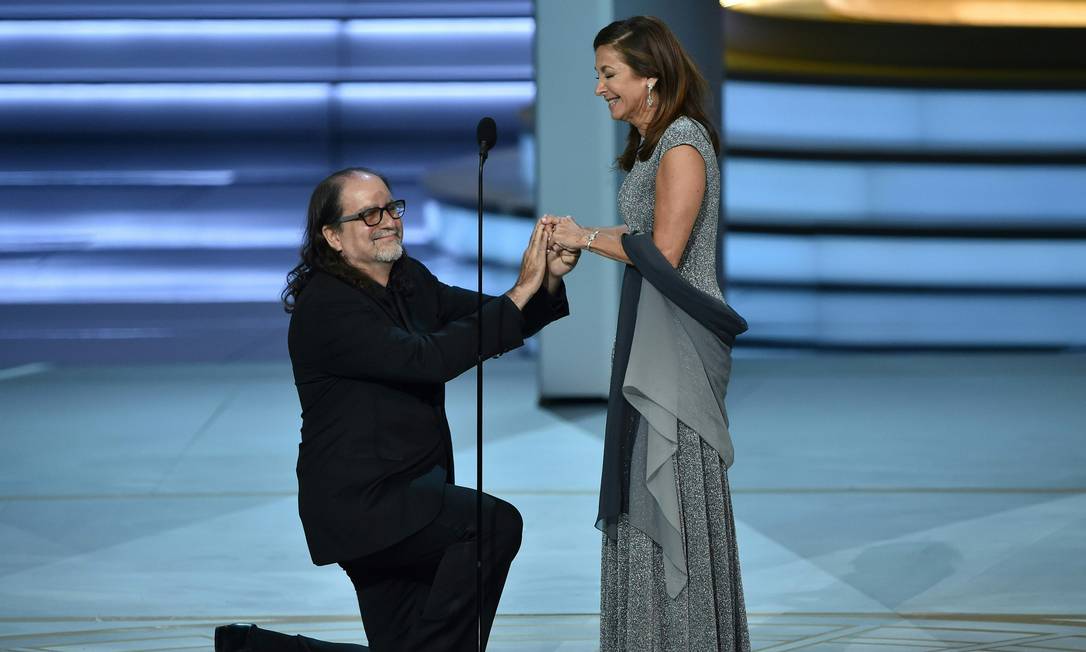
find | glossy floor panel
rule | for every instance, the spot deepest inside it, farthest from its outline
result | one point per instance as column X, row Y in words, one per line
column 883, row 502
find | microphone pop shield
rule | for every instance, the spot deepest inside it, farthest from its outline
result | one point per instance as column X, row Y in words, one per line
column 486, row 134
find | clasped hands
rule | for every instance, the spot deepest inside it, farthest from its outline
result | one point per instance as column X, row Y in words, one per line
column 550, row 255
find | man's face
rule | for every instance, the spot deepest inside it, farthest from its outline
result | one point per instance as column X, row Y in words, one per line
column 365, row 246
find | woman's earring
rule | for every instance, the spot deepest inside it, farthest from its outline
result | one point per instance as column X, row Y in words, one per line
column 649, row 100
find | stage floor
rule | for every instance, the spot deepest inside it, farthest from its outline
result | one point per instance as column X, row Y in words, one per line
column 883, row 502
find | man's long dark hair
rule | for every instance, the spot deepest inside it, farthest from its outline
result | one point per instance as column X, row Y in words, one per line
column 649, row 47
column 316, row 254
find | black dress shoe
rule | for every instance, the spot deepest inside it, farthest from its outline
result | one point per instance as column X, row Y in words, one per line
column 233, row 638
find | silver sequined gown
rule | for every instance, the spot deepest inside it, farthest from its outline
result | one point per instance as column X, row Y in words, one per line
column 635, row 610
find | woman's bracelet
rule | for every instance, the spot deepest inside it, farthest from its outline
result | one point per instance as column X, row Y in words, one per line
column 591, row 239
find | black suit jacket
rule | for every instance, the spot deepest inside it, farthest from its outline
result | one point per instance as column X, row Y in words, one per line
column 370, row 367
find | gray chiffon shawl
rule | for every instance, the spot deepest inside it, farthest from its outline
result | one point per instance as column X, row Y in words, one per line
column 672, row 363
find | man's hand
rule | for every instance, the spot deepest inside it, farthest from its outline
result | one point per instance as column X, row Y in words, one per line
column 533, row 268
column 561, row 261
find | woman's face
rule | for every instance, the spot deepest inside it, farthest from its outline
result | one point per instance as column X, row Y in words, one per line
column 623, row 89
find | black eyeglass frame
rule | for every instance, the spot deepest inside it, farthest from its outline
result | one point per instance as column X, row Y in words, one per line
column 395, row 210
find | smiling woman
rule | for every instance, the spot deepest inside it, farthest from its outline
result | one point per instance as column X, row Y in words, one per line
column 670, row 570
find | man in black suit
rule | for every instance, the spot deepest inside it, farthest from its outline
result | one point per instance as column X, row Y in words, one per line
column 373, row 338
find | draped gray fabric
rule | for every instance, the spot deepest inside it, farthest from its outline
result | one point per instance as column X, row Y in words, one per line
column 670, row 576
column 677, row 371
column 672, row 363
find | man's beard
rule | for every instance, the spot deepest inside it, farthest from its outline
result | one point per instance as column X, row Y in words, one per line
column 389, row 253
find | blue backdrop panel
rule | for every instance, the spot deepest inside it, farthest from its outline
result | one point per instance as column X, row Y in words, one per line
column 805, row 116
column 165, row 143
column 904, row 193
column 265, row 50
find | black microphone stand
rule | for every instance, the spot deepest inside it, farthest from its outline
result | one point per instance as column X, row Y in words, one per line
column 486, row 134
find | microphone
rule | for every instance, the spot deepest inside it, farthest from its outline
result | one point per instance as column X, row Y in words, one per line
column 486, row 134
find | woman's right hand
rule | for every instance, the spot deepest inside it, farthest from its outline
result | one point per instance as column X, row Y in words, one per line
column 533, row 267
column 567, row 234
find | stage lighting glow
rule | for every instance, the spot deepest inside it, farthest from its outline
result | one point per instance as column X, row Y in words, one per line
column 60, row 29
column 202, row 178
column 459, row 27
column 181, row 93
column 169, row 283
column 794, row 8
column 399, row 27
column 160, row 230
column 279, row 92
column 470, row 91
column 1033, row 13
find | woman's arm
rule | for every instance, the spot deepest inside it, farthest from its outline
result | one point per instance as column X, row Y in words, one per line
column 607, row 242
column 680, row 188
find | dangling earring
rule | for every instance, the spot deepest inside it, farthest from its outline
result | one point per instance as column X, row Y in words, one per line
column 649, row 100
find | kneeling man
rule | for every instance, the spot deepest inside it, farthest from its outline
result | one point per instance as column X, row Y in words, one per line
column 373, row 339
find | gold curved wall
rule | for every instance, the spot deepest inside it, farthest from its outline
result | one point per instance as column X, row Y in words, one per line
column 1002, row 13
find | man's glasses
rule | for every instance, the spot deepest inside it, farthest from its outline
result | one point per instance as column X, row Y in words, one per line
column 373, row 216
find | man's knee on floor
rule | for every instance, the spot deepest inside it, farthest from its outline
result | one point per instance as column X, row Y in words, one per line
column 508, row 528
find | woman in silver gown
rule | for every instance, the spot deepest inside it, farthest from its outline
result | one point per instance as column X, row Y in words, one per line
column 670, row 566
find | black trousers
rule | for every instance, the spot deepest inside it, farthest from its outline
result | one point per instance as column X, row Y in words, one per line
column 419, row 594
